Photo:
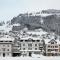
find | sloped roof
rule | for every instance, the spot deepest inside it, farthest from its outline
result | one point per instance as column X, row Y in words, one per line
column 52, row 40
column 49, row 40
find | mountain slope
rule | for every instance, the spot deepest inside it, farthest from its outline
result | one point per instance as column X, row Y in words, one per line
column 51, row 21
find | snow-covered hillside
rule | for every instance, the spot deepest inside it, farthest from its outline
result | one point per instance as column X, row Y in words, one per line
column 7, row 27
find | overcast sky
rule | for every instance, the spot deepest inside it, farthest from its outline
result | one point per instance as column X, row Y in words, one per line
column 11, row 8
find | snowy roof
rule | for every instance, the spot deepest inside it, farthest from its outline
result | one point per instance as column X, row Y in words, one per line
column 37, row 32
column 48, row 40
column 58, row 41
column 6, row 38
column 30, row 37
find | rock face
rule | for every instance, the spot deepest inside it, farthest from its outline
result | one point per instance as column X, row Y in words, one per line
column 33, row 21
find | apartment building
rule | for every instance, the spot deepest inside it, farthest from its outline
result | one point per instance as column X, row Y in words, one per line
column 6, row 46
column 16, row 48
column 53, row 48
column 30, row 45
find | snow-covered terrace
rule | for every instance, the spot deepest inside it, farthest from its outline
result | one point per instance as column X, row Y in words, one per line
column 36, row 32
column 30, row 37
column 6, row 38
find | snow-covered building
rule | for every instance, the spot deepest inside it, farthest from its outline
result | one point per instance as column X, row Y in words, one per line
column 53, row 47
column 29, row 45
column 6, row 45
column 16, row 48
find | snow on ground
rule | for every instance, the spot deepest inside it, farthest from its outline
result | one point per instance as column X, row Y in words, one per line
column 41, row 14
column 30, row 58
column 44, row 15
column 5, row 28
column 16, row 24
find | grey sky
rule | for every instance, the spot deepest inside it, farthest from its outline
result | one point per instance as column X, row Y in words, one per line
column 11, row 8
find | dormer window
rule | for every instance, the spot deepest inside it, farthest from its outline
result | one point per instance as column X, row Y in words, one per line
column 26, row 40
column 1, row 41
column 52, row 42
column 38, row 40
column 10, row 41
column 21, row 40
column 33, row 40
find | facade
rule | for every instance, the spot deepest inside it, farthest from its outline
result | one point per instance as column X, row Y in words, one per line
column 53, row 48
column 28, row 46
column 16, row 48
column 6, row 46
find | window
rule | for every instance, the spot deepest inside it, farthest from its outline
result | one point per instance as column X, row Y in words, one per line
column 56, row 49
column 49, row 50
column 40, row 48
column 23, row 44
column 7, row 53
column 35, row 44
column 26, row 40
column 30, row 45
column 56, row 54
column 23, row 48
column 29, row 48
column 21, row 40
column 7, row 49
column 10, row 41
column 48, row 45
column 33, row 40
column 52, row 42
column 35, row 48
column 38, row 40
column 1, row 41
column 51, row 46
column 56, row 46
